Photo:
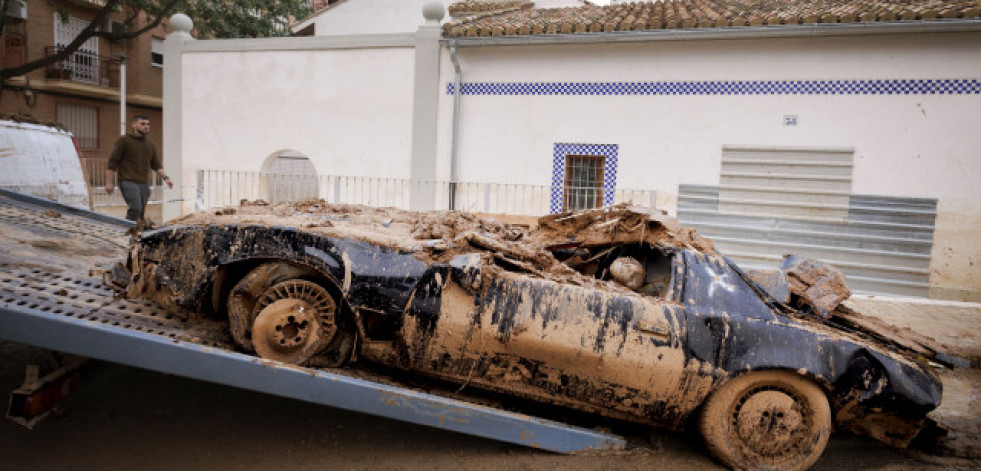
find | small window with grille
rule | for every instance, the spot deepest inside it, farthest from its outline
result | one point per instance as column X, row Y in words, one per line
column 82, row 121
column 583, row 182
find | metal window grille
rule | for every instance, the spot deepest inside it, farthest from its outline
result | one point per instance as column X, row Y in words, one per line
column 82, row 121
column 583, row 182
column 83, row 65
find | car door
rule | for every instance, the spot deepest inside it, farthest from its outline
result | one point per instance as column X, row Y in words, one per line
column 596, row 348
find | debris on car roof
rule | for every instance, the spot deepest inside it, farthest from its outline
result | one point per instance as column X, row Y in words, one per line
column 818, row 284
column 620, row 223
column 441, row 235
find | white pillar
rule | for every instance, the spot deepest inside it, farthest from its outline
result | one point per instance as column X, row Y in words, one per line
column 424, row 105
column 172, row 132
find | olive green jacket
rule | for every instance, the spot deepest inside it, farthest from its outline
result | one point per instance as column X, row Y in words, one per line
column 132, row 158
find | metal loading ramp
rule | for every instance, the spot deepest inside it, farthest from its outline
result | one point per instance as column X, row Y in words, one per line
column 49, row 299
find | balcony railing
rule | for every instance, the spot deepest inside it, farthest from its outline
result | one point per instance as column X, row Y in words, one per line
column 84, row 67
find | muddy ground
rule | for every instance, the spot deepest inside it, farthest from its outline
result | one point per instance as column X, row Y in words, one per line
column 124, row 418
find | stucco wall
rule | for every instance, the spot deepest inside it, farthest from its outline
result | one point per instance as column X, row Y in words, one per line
column 914, row 145
column 349, row 111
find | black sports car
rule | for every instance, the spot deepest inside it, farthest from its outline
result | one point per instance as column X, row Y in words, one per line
column 617, row 311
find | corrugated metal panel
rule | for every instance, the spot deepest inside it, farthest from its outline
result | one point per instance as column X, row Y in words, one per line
column 883, row 245
column 782, row 182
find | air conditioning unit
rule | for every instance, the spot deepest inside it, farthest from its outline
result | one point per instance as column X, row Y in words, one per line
column 17, row 9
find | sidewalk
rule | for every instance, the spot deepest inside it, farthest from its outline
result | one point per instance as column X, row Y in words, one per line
column 957, row 326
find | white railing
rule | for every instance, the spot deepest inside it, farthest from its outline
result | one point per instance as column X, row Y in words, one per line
column 95, row 176
column 217, row 188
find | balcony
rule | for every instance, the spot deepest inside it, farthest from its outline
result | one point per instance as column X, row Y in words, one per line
column 84, row 67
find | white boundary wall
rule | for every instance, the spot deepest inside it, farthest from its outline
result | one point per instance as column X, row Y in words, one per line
column 346, row 105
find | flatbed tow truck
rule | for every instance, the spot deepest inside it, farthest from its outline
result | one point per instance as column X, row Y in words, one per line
column 52, row 296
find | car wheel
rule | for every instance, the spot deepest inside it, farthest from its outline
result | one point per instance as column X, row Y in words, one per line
column 769, row 420
column 280, row 314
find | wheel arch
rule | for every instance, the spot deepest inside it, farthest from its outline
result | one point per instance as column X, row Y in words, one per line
column 790, row 356
column 820, row 381
column 227, row 274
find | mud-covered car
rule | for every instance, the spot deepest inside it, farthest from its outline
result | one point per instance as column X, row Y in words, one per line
column 617, row 311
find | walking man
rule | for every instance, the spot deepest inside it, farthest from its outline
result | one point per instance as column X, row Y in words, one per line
column 132, row 159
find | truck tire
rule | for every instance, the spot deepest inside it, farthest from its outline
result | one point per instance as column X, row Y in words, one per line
column 768, row 420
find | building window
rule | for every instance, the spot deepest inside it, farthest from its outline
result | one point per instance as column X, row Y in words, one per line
column 117, row 27
column 83, row 64
column 157, row 52
column 583, row 182
column 583, row 176
column 82, row 121
column 812, row 183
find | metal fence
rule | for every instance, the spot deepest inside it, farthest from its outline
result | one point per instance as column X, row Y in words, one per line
column 95, row 176
column 217, row 188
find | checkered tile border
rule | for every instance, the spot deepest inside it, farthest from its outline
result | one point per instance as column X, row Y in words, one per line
column 737, row 87
column 609, row 153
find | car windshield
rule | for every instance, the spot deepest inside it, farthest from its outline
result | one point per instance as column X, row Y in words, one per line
column 711, row 283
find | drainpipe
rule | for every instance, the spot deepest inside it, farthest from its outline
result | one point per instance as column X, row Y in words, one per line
column 454, row 149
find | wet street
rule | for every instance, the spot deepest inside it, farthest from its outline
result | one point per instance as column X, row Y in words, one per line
column 124, row 418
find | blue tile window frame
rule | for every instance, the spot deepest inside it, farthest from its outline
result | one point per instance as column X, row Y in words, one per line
column 559, row 154
column 729, row 87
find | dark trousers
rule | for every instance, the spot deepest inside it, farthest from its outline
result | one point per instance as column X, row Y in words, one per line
column 136, row 196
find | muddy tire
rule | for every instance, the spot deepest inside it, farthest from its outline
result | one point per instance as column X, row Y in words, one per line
column 280, row 312
column 769, row 420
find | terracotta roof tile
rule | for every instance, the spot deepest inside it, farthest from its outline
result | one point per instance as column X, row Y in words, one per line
column 471, row 7
column 518, row 18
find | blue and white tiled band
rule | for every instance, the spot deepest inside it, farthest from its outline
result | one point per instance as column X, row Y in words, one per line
column 729, row 87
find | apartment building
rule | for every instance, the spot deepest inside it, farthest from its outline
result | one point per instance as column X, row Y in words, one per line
column 82, row 92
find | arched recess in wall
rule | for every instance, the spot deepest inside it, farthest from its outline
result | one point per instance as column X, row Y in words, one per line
column 290, row 176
